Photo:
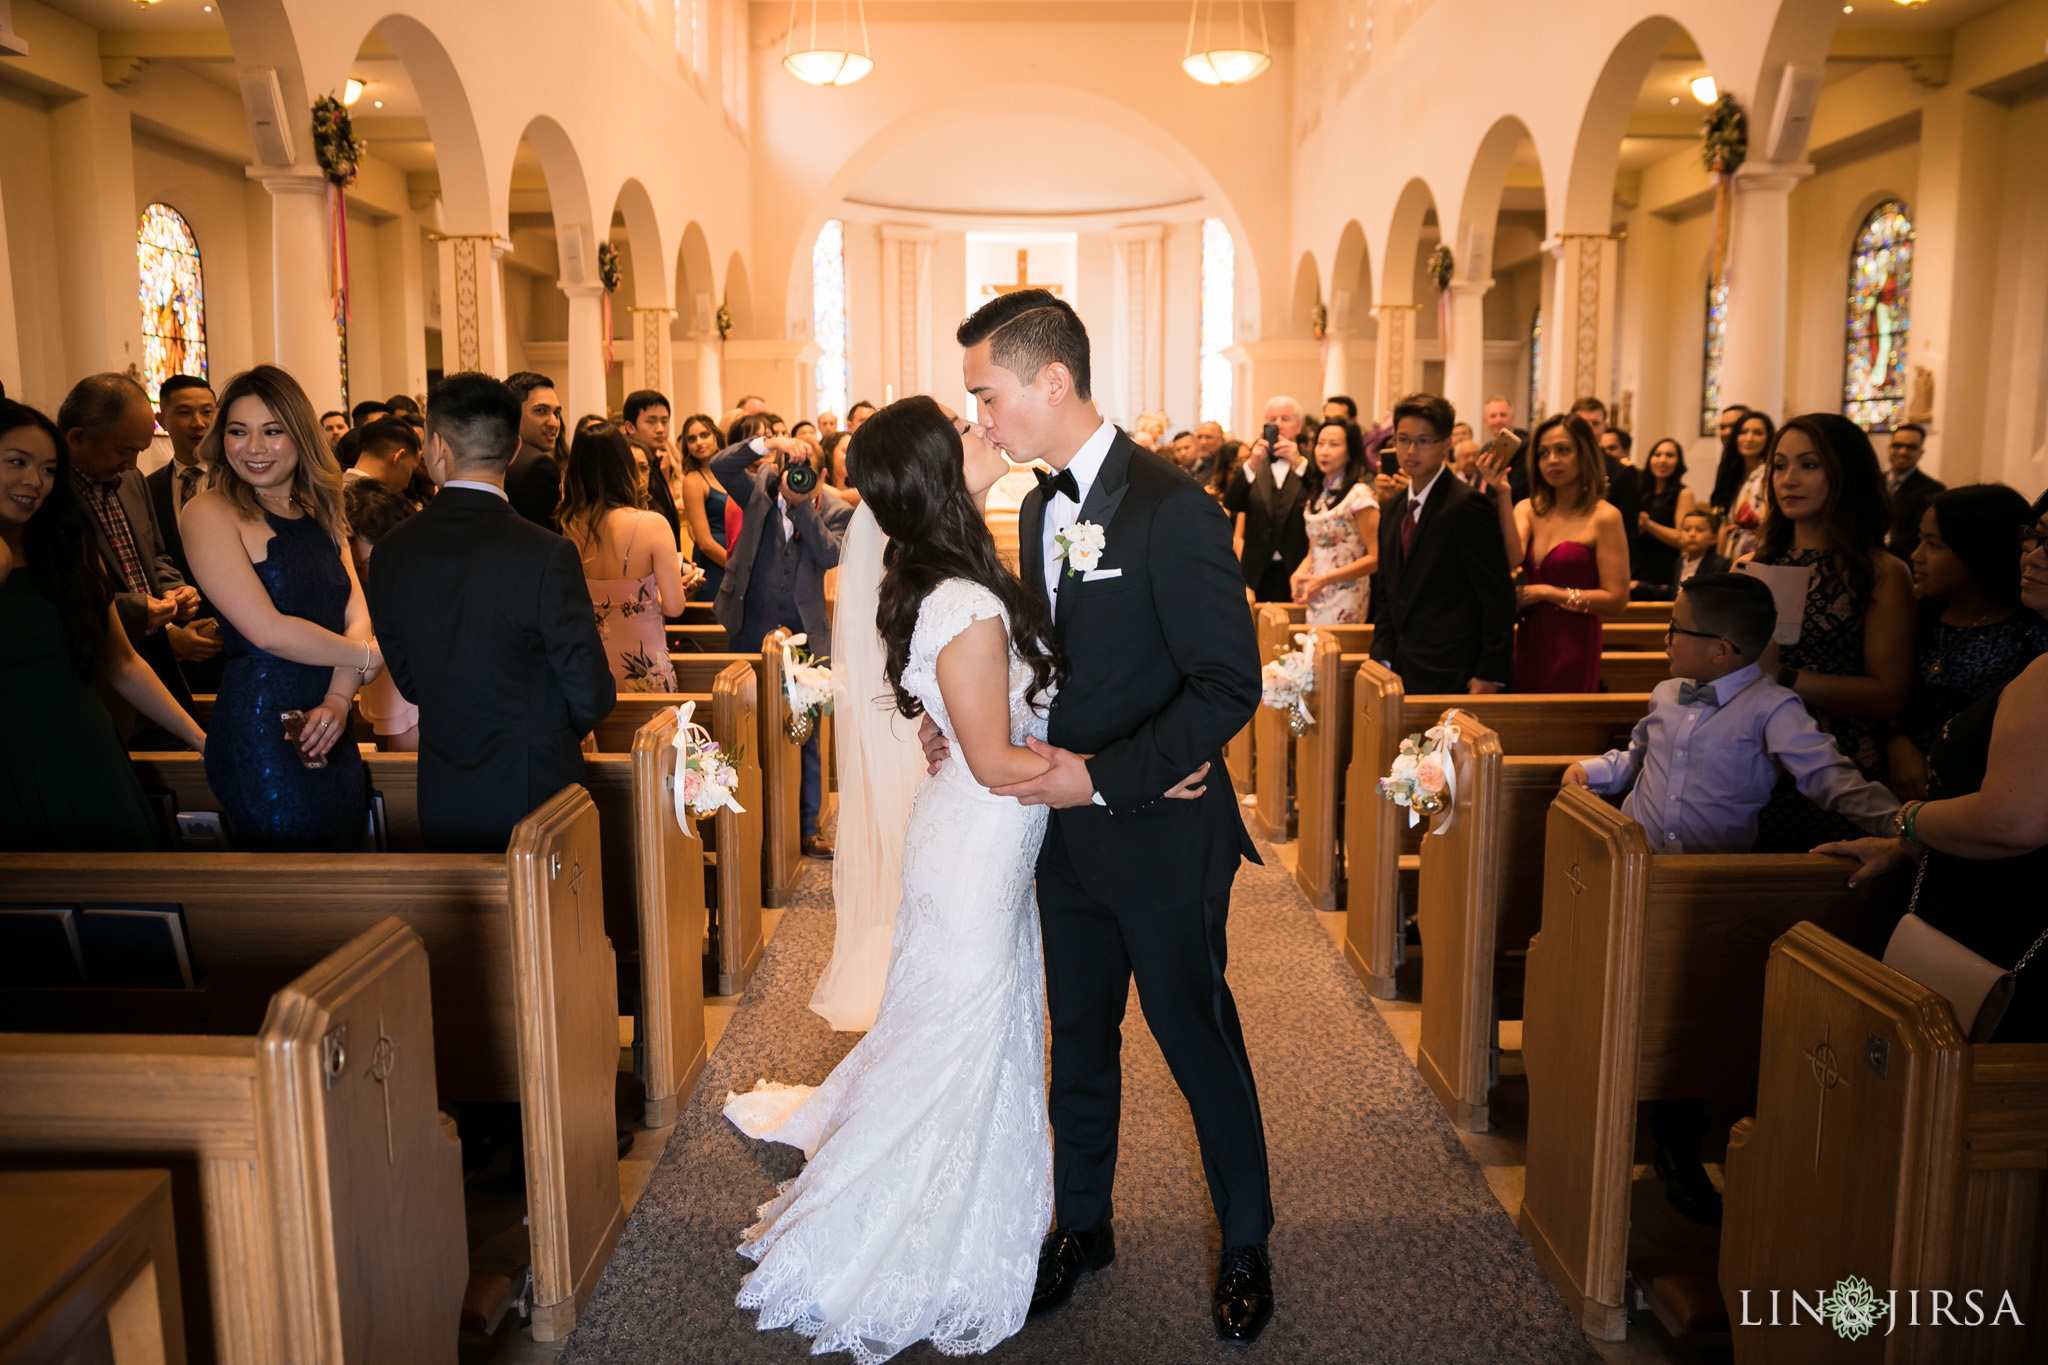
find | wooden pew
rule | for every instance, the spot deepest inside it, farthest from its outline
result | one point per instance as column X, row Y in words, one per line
column 89, row 1268
column 1479, row 896
column 1646, row 982
column 698, row 638
column 328, row 1219
column 525, row 992
column 1885, row 1145
column 781, row 781
column 1640, row 612
column 1272, row 741
column 1376, row 837
column 1633, row 636
column 1633, row 672
column 1319, row 758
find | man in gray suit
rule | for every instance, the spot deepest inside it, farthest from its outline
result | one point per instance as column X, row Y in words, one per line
column 775, row 576
column 107, row 423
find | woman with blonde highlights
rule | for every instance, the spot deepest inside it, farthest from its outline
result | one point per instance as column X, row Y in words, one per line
column 267, row 541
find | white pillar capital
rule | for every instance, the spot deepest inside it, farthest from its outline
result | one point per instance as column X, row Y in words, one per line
column 289, row 179
column 1467, row 288
column 589, row 289
column 1771, row 177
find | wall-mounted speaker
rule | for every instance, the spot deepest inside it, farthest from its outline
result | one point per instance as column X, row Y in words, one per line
column 270, row 132
column 575, row 253
column 1792, row 116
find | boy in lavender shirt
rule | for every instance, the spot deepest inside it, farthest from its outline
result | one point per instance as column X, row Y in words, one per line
column 1701, row 765
column 1697, row 770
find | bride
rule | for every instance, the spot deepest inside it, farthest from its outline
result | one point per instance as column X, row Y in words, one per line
column 929, row 1185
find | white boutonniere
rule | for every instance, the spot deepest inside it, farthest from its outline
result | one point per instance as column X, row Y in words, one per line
column 1081, row 546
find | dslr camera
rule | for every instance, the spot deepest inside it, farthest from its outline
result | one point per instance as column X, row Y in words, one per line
column 796, row 477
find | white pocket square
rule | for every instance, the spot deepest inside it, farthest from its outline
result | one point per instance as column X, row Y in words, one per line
column 1097, row 575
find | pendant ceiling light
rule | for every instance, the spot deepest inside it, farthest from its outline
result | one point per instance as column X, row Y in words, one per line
column 1232, row 57
column 824, row 64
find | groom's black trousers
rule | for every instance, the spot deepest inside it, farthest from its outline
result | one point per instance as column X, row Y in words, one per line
column 1177, row 955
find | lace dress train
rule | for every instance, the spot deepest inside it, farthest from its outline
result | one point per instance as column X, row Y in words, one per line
column 929, row 1182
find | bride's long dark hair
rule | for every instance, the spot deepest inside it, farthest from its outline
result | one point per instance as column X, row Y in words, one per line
column 906, row 461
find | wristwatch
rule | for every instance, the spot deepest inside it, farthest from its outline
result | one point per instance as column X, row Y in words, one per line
column 1787, row 676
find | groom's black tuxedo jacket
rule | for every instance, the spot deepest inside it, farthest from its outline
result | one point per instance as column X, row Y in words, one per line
column 1163, row 669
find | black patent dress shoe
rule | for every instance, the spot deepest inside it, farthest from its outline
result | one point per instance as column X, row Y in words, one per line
column 1689, row 1188
column 1065, row 1260
column 1243, row 1302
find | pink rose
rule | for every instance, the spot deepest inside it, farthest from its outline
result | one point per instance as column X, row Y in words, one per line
column 1429, row 774
column 693, row 784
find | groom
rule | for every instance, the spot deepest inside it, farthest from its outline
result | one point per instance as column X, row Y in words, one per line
column 1164, row 670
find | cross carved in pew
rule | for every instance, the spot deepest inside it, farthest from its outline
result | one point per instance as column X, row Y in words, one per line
column 382, row 1058
column 1827, row 1074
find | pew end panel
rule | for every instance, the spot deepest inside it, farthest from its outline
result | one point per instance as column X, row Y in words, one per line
column 782, row 777
column 1457, row 905
column 696, row 672
column 1372, row 832
column 1319, row 760
column 668, row 886
column 90, row 1266
column 567, row 990
column 1886, row 1146
column 1272, row 742
column 1645, row 982
column 736, row 724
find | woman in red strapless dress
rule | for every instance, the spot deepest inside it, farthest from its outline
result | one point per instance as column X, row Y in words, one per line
column 1574, row 558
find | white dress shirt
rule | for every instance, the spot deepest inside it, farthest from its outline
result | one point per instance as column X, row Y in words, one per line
column 1061, row 512
column 493, row 489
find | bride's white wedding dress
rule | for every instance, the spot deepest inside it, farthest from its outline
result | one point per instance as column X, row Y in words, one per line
column 929, row 1185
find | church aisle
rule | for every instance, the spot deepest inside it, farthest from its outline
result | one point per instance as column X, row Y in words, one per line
column 1389, row 1246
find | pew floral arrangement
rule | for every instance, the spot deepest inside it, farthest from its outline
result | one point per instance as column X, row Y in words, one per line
column 707, row 779
column 1287, row 681
column 1423, row 779
column 808, row 685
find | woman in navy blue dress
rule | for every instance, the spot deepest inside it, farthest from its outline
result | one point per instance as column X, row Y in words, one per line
column 267, row 540
column 703, row 504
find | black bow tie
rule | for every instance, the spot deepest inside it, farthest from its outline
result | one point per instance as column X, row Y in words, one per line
column 1062, row 482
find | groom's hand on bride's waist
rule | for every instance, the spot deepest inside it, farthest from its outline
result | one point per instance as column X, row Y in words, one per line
column 936, row 745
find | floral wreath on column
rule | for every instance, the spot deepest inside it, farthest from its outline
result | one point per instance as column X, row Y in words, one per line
column 340, row 153
column 608, row 276
column 1724, row 146
column 1441, row 267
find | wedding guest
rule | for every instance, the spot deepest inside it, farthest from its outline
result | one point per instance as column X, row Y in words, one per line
column 828, row 425
column 775, row 575
column 107, row 424
column 1465, row 464
column 1445, row 621
column 1982, row 834
column 855, row 415
column 1745, row 516
column 387, row 452
column 405, row 408
column 1270, row 536
column 1340, row 405
column 807, row 432
column 489, row 630
column 629, row 567
column 1731, row 471
column 1698, row 531
column 1149, row 430
column 66, row 784
column 533, row 482
column 647, row 422
column 1853, row 663
column 1574, row 559
column 1208, row 443
column 1972, row 633
column 366, row 412
column 1698, row 770
column 1461, row 434
column 1622, row 488
column 269, row 542
column 837, row 477
column 1183, row 448
column 1229, row 456
column 703, row 504
column 1498, row 416
column 374, row 511
column 1665, row 502
column 751, row 403
column 1343, row 524
column 1908, row 489
column 335, row 425
column 185, row 409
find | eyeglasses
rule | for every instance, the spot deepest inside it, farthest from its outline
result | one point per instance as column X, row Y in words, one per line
column 2032, row 539
column 1415, row 442
column 1671, row 630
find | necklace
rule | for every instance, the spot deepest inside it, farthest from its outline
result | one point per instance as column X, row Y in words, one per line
column 263, row 497
column 1941, row 651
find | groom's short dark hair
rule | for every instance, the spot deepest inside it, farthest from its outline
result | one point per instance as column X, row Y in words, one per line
column 1028, row 330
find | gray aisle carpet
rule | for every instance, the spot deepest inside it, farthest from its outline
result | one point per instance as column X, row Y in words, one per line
column 1389, row 1246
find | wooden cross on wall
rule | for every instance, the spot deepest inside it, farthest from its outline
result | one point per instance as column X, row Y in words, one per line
column 1024, row 280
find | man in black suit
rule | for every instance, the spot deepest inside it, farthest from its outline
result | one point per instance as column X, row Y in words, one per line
column 487, row 627
column 1449, row 614
column 1910, row 490
column 1268, row 500
column 1164, row 670
column 1497, row 416
column 107, row 423
column 533, row 481
column 1624, row 490
column 185, row 410
column 647, row 426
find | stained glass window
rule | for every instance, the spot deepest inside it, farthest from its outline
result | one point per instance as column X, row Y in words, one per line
column 1710, row 352
column 172, row 295
column 1219, row 321
column 828, row 316
column 1880, row 316
column 1535, row 408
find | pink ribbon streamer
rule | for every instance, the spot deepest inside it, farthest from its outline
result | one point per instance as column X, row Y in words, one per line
column 609, row 359
column 337, row 252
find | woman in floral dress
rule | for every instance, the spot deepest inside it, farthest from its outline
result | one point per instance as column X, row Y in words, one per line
column 629, row 558
column 1335, row 581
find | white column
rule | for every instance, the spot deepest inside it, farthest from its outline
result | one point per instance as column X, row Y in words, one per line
column 1753, row 358
column 1337, row 367
column 1578, row 323
column 1398, row 367
column 906, row 293
column 1465, row 349
column 1138, row 313
column 707, row 379
column 302, row 306
column 586, row 348
column 92, row 174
